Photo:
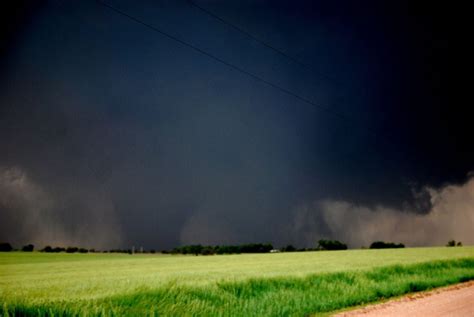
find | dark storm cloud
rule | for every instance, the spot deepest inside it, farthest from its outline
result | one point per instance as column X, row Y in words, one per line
column 112, row 135
column 450, row 216
column 66, row 217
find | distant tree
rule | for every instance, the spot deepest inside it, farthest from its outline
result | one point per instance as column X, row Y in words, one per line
column 5, row 247
column 451, row 243
column 47, row 249
column 28, row 248
column 459, row 244
column 207, row 250
column 289, row 248
column 228, row 249
column 265, row 248
column 222, row 249
column 152, row 251
column 72, row 249
column 255, row 248
column 50, row 249
column 83, row 250
column 386, row 245
column 331, row 245
column 195, row 249
column 219, row 250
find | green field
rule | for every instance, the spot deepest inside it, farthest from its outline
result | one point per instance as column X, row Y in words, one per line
column 278, row 284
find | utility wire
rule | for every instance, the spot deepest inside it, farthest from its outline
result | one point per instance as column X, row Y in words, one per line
column 232, row 66
column 277, row 50
column 241, row 70
column 356, row 158
column 256, row 39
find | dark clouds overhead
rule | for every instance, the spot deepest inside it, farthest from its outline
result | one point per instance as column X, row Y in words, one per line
column 110, row 130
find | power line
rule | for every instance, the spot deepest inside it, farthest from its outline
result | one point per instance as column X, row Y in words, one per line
column 256, row 39
column 240, row 70
column 284, row 54
column 230, row 65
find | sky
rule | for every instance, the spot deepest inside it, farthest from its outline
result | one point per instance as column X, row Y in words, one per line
column 163, row 123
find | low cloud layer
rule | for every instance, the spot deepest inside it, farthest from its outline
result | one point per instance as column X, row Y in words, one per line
column 31, row 213
column 450, row 216
column 34, row 213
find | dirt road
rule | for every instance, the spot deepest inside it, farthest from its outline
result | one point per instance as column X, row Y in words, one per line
column 457, row 300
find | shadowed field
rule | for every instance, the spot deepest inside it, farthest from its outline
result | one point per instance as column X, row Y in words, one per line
column 293, row 284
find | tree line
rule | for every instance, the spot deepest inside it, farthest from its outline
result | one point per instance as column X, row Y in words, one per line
column 7, row 247
column 386, row 245
column 198, row 249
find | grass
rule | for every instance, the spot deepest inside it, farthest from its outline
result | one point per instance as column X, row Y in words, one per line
column 285, row 284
